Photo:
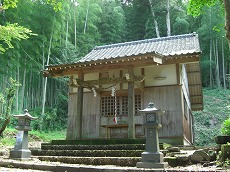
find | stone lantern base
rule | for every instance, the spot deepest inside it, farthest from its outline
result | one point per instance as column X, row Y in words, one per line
column 20, row 154
column 152, row 160
column 151, row 165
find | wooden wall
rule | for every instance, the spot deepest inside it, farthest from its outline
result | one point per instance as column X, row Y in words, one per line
column 91, row 116
column 71, row 124
column 167, row 98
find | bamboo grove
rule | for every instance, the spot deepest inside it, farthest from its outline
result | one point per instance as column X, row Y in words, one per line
column 64, row 36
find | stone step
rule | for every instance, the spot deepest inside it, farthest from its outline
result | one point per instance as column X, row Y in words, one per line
column 118, row 161
column 88, row 153
column 97, row 141
column 94, row 147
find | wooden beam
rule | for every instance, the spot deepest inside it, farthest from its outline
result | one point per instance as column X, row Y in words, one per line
column 131, row 107
column 178, row 73
column 121, row 75
column 104, row 81
column 140, row 86
column 174, row 60
column 71, row 69
column 79, row 107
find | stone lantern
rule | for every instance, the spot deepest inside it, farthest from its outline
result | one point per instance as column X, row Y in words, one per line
column 21, row 150
column 152, row 157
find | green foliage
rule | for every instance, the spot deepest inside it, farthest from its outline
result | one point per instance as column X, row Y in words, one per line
column 206, row 65
column 51, row 121
column 7, row 101
column 34, row 135
column 10, row 32
column 137, row 15
column 180, row 26
column 225, row 129
column 207, row 123
column 112, row 23
column 10, row 4
column 222, row 156
column 57, row 5
column 195, row 6
column 47, row 136
column 2, row 100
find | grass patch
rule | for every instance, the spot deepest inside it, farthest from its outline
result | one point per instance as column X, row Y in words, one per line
column 9, row 136
column 47, row 136
column 208, row 123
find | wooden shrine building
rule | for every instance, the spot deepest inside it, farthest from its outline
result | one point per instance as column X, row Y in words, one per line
column 118, row 79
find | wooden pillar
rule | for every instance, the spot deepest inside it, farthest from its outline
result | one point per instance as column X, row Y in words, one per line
column 71, row 123
column 79, row 107
column 131, row 108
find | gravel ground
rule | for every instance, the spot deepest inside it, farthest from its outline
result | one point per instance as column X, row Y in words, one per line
column 3, row 169
column 193, row 168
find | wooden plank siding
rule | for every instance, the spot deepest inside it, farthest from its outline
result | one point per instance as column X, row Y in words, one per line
column 187, row 125
column 72, row 122
column 91, row 116
column 167, row 98
column 195, row 87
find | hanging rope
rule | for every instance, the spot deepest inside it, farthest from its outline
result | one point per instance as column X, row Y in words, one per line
column 115, row 104
column 94, row 92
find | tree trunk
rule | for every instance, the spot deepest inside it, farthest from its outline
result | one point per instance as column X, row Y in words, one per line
column 217, row 66
column 210, row 59
column 168, row 18
column 223, row 65
column 45, row 82
column 67, row 32
column 86, row 17
column 75, row 28
column 23, row 90
column 154, row 18
column 227, row 19
column 9, row 103
column 17, row 91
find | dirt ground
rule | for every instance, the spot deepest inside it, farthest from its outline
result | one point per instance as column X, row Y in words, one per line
column 3, row 169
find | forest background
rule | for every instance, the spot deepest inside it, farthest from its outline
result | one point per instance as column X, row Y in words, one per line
column 66, row 35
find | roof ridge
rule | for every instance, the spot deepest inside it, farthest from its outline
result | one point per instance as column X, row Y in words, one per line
column 146, row 40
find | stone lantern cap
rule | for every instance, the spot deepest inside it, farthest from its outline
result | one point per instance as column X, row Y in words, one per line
column 26, row 115
column 152, row 108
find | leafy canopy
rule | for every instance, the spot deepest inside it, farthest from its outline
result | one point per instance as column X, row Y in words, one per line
column 195, row 6
column 10, row 32
column 57, row 4
column 14, row 31
column 9, row 4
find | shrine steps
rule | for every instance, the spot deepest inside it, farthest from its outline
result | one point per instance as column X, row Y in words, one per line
column 92, row 152
column 117, row 161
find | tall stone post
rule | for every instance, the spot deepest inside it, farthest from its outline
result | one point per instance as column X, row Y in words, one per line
column 152, row 157
column 21, row 150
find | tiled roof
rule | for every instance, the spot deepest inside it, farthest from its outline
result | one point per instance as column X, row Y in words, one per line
column 165, row 46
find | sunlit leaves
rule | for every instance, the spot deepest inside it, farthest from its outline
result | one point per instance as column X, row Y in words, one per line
column 11, row 32
column 10, row 4
column 57, row 5
column 195, row 6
